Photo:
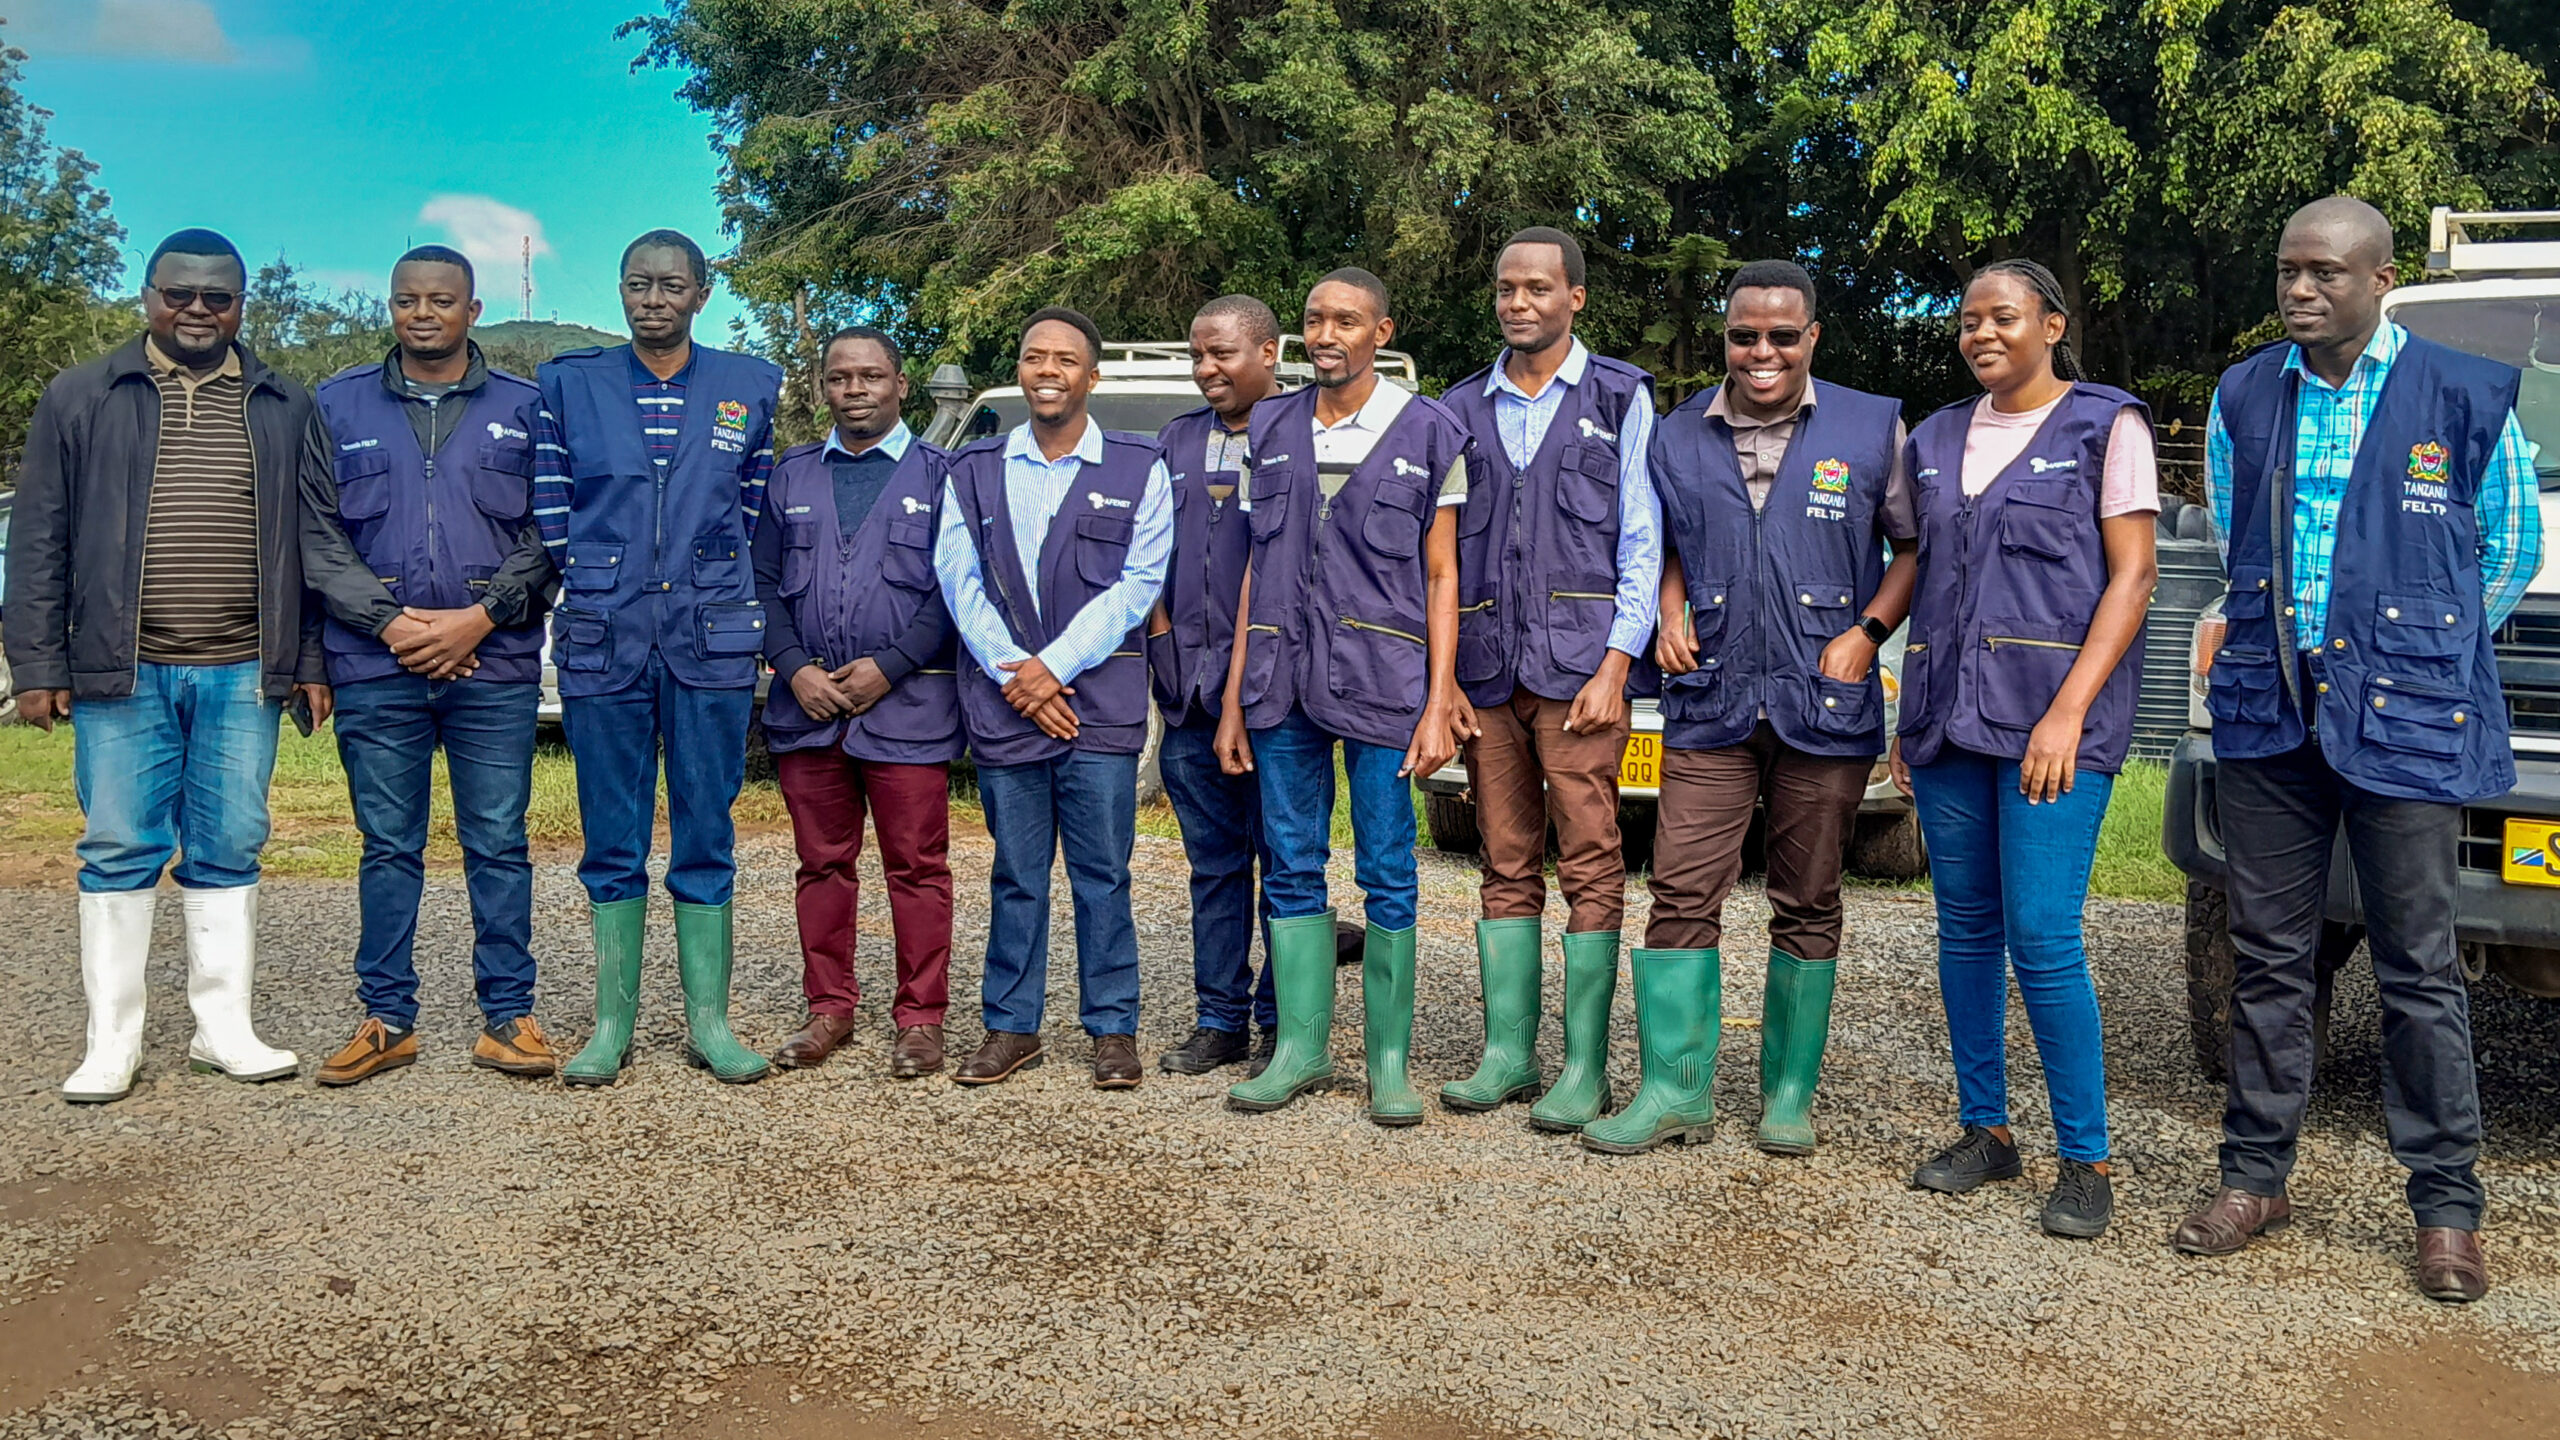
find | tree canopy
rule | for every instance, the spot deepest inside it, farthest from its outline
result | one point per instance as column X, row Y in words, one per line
column 58, row 244
column 944, row 167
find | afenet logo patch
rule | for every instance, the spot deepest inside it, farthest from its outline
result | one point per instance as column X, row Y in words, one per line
column 2040, row 464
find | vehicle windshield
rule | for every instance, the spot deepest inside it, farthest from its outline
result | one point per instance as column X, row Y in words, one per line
column 2523, row 331
column 1138, row 414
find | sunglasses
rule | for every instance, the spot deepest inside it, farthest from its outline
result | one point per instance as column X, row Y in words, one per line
column 1750, row 339
column 178, row 297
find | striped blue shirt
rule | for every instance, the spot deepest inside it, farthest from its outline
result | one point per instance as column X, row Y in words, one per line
column 660, row 404
column 1523, row 419
column 1034, row 489
column 2328, row 432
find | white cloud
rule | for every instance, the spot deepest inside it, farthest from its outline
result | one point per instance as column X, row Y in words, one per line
column 184, row 30
column 494, row 235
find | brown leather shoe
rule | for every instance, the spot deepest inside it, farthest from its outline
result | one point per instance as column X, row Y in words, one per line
column 815, row 1040
column 999, row 1055
column 1115, row 1063
column 516, row 1048
column 918, row 1052
column 376, row 1048
column 2450, row 1265
column 2232, row 1219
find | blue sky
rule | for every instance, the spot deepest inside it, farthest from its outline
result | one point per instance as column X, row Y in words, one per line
column 340, row 133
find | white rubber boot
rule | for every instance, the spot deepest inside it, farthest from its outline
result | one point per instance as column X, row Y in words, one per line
column 222, row 962
column 115, row 944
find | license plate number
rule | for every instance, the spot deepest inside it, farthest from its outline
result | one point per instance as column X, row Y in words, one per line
column 2531, row 855
column 1642, row 766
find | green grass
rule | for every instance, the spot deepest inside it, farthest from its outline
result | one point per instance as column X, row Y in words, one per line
column 2131, row 864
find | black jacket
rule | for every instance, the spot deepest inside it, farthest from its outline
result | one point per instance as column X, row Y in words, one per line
column 84, row 502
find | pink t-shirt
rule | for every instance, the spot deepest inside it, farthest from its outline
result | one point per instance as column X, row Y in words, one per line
column 1994, row 440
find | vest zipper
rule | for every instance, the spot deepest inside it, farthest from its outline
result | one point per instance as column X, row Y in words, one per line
column 432, row 568
column 1487, row 604
column 1383, row 630
column 1994, row 642
column 1578, row 595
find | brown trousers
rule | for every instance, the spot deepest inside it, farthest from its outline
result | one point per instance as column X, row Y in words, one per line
column 1707, row 799
column 1527, row 768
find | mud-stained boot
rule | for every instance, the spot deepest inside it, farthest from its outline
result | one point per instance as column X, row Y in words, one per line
column 702, row 963
column 1302, row 983
column 1386, row 1028
column 1507, row 956
column 619, row 927
column 1795, row 1025
column 1581, row 1092
column 1679, row 1019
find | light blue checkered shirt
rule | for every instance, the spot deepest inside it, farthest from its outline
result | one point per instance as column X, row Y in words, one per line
column 2326, row 437
column 1035, row 487
column 1522, row 420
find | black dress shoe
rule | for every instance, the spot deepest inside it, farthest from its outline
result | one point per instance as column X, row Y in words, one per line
column 1205, row 1051
column 1965, row 1165
column 1264, row 1042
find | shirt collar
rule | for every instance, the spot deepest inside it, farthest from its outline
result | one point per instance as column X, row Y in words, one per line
column 2378, row 352
column 1717, row 407
column 161, row 362
column 1577, row 360
column 1020, row 446
column 642, row 374
column 894, row 445
column 1375, row 413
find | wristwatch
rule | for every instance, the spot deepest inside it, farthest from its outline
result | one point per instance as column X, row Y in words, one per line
column 1876, row 630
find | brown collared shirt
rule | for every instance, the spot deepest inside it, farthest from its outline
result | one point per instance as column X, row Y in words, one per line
column 1760, row 445
column 200, row 544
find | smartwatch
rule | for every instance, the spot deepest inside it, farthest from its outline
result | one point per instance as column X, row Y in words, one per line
column 1876, row 630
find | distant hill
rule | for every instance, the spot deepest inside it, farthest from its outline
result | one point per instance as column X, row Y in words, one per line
column 548, row 337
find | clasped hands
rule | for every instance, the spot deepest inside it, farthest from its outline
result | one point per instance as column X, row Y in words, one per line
column 439, row 644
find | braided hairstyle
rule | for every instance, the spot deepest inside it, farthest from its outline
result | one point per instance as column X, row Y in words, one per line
column 2048, row 290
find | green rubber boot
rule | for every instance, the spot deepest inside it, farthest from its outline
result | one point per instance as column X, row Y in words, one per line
column 1302, row 982
column 1581, row 1092
column 702, row 961
column 1507, row 955
column 619, row 927
column 1679, row 1019
column 1386, row 1025
column 1795, row 1025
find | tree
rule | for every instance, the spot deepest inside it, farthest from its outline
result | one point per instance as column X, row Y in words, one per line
column 307, row 333
column 58, row 239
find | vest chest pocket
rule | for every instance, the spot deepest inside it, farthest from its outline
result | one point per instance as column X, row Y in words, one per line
column 908, row 561
column 2045, row 521
column 1102, row 548
column 1840, row 709
column 2251, row 597
column 364, row 485
column 2416, row 718
column 1393, row 526
column 716, row 562
column 1822, row 607
column 2423, row 627
column 590, row 566
column 2246, row 688
column 1707, row 610
column 1269, row 493
column 799, row 556
column 723, row 629
column 1476, row 511
column 1587, row 483
column 502, row 486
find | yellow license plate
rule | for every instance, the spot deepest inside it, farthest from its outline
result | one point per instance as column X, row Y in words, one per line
column 2532, row 854
column 1642, row 765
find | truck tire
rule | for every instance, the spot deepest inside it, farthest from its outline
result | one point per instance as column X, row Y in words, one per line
column 1453, row 824
column 1636, row 821
column 1888, row 847
column 1151, row 760
column 2211, row 972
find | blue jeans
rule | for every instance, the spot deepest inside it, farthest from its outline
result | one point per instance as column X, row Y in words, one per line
column 1221, row 819
column 180, row 766
column 2011, row 879
column 1091, row 802
column 1294, row 760
column 388, row 731
column 615, row 739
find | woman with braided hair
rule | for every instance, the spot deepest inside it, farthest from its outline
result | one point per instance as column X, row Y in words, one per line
column 2036, row 503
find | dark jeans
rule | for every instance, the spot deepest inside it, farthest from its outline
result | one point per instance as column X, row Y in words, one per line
column 1090, row 802
column 388, row 732
column 2280, row 817
column 1221, row 819
column 1707, row 800
column 615, row 739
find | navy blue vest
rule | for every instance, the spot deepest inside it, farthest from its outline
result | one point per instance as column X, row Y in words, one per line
column 2409, row 701
column 1340, row 587
column 832, row 582
column 433, row 527
column 2009, row 581
column 1768, row 589
column 1086, row 549
column 658, row 560
column 1210, row 543
column 1538, row 548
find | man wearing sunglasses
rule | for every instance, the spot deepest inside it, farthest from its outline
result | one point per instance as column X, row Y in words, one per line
column 156, row 583
column 1780, row 494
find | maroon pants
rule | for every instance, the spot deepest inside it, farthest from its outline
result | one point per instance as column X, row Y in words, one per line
column 826, row 791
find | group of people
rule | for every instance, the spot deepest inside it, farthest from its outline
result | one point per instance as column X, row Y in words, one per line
column 1287, row 573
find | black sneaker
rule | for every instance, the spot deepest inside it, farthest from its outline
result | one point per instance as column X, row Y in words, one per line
column 2082, row 1202
column 1205, row 1051
column 1963, row 1167
column 1264, row 1042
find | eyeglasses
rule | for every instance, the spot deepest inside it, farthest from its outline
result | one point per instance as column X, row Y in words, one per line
column 178, row 297
column 1750, row 339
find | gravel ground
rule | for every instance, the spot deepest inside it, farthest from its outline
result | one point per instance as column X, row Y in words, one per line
column 446, row 1251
